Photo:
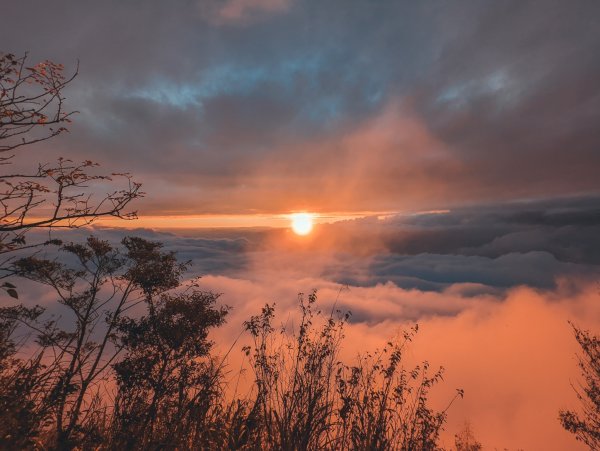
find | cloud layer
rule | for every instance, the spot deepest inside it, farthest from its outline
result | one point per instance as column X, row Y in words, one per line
column 492, row 287
column 274, row 105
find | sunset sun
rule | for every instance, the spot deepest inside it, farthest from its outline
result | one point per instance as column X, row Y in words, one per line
column 302, row 223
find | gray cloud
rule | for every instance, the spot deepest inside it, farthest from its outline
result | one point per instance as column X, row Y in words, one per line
column 231, row 109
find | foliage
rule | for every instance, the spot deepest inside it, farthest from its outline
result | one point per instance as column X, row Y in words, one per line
column 306, row 398
column 167, row 386
column 25, row 392
column 295, row 380
column 78, row 347
column 586, row 426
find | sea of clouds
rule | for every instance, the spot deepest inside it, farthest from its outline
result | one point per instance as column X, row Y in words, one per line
column 492, row 288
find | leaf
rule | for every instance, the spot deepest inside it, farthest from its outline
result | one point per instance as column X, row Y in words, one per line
column 12, row 293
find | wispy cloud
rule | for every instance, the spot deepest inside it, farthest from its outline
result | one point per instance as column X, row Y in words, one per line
column 245, row 11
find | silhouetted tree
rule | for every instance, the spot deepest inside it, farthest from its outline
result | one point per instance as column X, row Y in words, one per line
column 295, row 393
column 168, row 386
column 96, row 289
column 32, row 109
column 36, row 391
column 136, row 329
column 25, row 386
column 306, row 398
column 586, row 426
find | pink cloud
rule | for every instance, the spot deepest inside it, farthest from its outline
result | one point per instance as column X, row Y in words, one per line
column 242, row 11
column 515, row 358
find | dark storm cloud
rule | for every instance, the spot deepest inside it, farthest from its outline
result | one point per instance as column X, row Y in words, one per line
column 214, row 104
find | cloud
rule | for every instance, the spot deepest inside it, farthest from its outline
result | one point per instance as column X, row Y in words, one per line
column 515, row 358
column 537, row 269
column 243, row 11
column 369, row 109
column 516, row 361
column 512, row 353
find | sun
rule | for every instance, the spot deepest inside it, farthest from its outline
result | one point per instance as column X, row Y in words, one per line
column 302, row 223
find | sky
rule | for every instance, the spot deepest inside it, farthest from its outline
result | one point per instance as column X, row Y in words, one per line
column 450, row 149
column 267, row 106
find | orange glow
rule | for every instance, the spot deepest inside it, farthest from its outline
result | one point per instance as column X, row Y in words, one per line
column 273, row 220
column 302, row 223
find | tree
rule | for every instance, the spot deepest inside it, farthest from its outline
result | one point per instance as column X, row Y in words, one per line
column 25, row 399
column 32, row 109
column 155, row 354
column 586, row 426
column 168, row 386
column 138, row 333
